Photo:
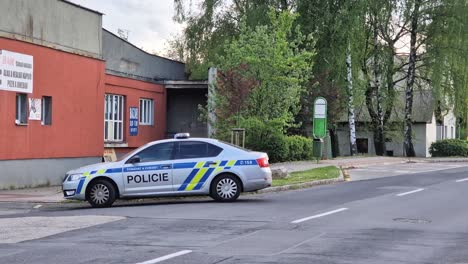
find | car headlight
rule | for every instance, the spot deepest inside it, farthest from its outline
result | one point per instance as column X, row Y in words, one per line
column 74, row 177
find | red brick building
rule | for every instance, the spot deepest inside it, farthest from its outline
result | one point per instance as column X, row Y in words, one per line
column 69, row 89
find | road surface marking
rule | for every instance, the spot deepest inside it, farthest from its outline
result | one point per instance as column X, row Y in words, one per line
column 37, row 206
column 319, row 215
column 173, row 255
column 414, row 191
column 462, row 180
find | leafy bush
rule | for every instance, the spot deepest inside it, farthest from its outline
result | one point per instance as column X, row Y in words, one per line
column 299, row 148
column 449, row 147
column 266, row 137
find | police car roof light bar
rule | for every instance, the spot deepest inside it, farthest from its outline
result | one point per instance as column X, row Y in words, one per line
column 181, row 135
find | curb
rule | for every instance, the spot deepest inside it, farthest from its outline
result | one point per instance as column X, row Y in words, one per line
column 302, row 185
column 437, row 161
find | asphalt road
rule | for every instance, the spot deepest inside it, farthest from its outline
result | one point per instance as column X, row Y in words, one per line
column 417, row 217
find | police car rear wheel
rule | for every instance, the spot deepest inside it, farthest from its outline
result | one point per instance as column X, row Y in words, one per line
column 101, row 194
column 225, row 188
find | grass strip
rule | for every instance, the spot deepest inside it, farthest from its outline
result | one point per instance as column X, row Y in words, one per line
column 322, row 173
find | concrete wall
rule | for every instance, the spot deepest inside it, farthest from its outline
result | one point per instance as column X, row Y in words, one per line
column 122, row 58
column 396, row 143
column 53, row 23
column 420, row 140
column 36, row 172
column 431, row 134
column 343, row 139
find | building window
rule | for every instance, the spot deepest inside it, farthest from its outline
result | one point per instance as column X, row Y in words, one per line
column 362, row 145
column 445, row 132
column 21, row 109
column 113, row 118
column 146, row 112
column 47, row 110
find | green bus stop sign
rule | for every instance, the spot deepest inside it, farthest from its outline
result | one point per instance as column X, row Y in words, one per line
column 320, row 118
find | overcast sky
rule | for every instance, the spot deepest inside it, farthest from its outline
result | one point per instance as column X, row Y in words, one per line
column 149, row 22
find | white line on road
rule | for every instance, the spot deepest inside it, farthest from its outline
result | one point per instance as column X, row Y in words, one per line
column 173, row 255
column 462, row 180
column 414, row 191
column 319, row 215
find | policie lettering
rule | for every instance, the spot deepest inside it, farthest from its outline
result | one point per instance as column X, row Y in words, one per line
column 157, row 177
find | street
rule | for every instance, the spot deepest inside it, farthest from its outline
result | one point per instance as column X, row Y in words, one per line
column 419, row 216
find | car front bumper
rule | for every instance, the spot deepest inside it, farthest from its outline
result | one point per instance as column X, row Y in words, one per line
column 70, row 192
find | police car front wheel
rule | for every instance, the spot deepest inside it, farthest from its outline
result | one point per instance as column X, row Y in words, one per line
column 225, row 188
column 101, row 194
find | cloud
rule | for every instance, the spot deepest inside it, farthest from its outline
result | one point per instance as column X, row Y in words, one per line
column 149, row 22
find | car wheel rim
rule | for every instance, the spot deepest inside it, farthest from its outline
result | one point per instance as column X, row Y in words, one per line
column 100, row 193
column 226, row 188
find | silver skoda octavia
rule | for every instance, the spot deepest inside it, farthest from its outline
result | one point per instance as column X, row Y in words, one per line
column 174, row 167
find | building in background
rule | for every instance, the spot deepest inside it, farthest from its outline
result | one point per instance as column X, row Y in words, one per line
column 427, row 127
column 69, row 89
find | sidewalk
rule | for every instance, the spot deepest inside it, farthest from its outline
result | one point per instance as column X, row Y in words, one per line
column 359, row 162
column 345, row 162
column 54, row 194
column 51, row 194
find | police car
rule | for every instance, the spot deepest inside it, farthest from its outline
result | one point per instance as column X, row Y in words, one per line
column 180, row 166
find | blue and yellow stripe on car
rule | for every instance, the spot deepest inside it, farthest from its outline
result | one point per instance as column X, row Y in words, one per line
column 203, row 170
column 88, row 175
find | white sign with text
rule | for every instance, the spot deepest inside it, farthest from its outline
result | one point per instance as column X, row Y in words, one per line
column 16, row 72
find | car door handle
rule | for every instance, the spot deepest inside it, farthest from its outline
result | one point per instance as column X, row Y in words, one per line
column 212, row 163
column 166, row 166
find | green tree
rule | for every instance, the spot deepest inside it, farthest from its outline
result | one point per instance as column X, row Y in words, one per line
column 448, row 45
column 267, row 67
column 214, row 23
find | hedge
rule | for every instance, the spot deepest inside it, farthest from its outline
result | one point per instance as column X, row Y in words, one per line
column 449, row 147
column 299, row 148
column 268, row 137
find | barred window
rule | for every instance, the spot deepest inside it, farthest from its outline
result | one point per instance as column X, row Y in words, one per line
column 146, row 112
column 113, row 118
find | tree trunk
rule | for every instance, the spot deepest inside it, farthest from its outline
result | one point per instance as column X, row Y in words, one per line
column 350, row 90
column 379, row 138
column 409, row 148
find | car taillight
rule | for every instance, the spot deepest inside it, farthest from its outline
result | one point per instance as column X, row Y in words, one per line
column 263, row 162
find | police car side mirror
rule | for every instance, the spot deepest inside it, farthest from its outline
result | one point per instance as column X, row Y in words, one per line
column 134, row 159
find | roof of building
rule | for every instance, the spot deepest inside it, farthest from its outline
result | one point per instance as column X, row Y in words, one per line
column 127, row 60
column 142, row 50
column 82, row 7
column 423, row 109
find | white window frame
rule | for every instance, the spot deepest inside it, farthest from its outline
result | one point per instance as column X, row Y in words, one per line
column 114, row 106
column 146, row 112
